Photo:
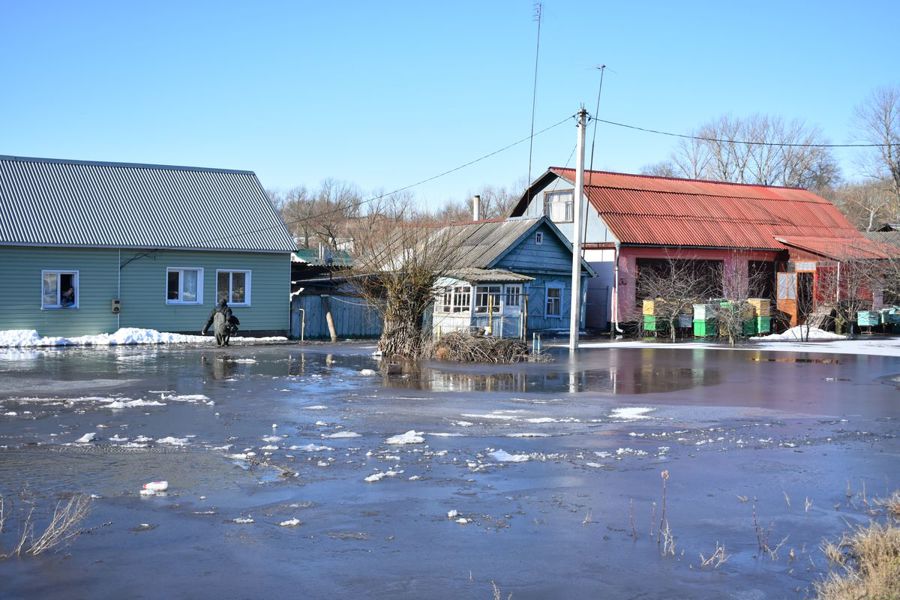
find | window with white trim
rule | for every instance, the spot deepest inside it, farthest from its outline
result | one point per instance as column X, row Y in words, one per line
column 59, row 289
column 462, row 298
column 554, row 302
column 513, row 296
column 560, row 206
column 184, row 286
column 233, row 287
column 446, row 303
column 487, row 297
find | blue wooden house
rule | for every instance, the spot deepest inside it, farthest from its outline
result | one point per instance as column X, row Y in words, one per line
column 511, row 277
column 90, row 247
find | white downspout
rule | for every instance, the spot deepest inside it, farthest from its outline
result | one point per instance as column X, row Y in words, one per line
column 615, row 310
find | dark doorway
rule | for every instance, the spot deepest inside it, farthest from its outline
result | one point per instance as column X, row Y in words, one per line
column 761, row 279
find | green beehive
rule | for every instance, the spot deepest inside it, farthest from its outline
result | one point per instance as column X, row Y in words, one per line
column 868, row 318
column 705, row 328
column 763, row 325
column 649, row 323
column 748, row 327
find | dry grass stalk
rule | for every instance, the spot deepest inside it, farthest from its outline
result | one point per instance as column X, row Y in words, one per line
column 631, row 518
column 62, row 528
column 497, row 593
column 869, row 562
column 891, row 505
column 462, row 347
column 716, row 558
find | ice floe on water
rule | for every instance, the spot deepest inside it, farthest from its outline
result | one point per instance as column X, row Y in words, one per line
column 86, row 438
column 630, row 413
column 311, row 448
column 504, row 456
column 295, row 522
column 526, row 434
column 381, row 475
column 410, row 437
column 341, row 435
column 367, row 372
column 173, row 441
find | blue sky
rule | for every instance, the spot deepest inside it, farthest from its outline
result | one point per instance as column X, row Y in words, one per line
column 384, row 94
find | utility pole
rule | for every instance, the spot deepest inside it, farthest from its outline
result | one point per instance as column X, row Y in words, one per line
column 578, row 214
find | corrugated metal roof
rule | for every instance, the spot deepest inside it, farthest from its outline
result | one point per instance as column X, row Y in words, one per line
column 663, row 211
column 489, row 276
column 49, row 202
column 842, row 248
column 885, row 237
column 481, row 243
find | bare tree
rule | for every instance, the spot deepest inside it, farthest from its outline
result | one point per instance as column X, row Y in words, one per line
column 676, row 284
column 878, row 120
column 867, row 205
column 397, row 264
column 759, row 149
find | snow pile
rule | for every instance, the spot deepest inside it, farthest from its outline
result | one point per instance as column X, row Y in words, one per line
column 410, row 437
column 17, row 338
column 800, row 333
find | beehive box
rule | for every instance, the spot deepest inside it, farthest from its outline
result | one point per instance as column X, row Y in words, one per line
column 748, row 327
column 763, row 325
column 704, row 312
column 705, row 328
column 684, row 321
column 762, row 306
column 649, row 323
column 868, row 318
column 651, row 306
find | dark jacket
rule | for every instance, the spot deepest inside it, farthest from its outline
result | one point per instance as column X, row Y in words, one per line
column 221, row 307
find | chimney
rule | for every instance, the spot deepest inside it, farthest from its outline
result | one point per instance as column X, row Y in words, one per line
column 476, row 208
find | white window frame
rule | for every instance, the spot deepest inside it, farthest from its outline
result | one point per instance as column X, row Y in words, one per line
column 557, row 198
column 247, row 286
column 487, row 291
column 539, row 238
column 517, row 288
column 547, row 313
column 58, row 272
column 462, row 292
column 180, row 271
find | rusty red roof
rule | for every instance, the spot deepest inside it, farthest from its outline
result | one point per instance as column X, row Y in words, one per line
column 665, row 211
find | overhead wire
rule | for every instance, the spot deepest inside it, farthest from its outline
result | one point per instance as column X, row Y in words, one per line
column 360, row 203
column 744, row 142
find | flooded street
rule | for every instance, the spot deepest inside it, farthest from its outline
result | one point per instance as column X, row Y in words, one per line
column 302, row 472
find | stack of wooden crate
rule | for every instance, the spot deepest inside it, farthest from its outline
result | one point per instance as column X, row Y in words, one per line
column 705, row 320
column 762, row 308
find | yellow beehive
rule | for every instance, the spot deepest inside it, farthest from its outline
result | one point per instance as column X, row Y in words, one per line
column 762, row 306
column 651, row 306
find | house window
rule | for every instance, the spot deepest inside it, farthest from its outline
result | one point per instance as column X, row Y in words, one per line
column 184, row 286
column 554, row 302
column 59, row 289
column 560, row 206
column 487, row 296
column 539, row 238
column 233, row 287
column 447, row 300
column 513, row 295
column 462, row 298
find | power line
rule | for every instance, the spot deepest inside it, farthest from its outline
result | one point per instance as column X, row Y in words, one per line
column 360, row 203
column 748, row 143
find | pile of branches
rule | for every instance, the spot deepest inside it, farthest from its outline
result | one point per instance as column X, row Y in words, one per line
column 464, row 347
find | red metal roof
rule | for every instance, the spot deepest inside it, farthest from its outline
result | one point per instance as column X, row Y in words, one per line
column 664, row 211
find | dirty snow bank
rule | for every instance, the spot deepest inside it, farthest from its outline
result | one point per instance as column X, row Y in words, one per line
column 18, row 338
column 799, row 334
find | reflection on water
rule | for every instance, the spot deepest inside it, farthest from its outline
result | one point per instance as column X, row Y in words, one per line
column 638, row 379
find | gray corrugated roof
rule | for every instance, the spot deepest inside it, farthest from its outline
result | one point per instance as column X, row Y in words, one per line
column 481, row 243
column 885, row 237
column 489, row 276
column 49, row 202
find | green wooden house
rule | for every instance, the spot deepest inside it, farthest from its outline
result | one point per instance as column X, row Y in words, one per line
column 91, row 247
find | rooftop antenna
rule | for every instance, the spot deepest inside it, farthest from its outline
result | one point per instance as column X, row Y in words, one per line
column 538, row 11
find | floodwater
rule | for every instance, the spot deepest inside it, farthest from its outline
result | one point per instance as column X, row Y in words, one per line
column 554, row 471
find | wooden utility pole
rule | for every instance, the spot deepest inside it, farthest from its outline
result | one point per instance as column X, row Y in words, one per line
column 577, row 226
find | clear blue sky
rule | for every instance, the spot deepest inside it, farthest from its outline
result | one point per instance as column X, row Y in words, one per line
column 384, row 94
